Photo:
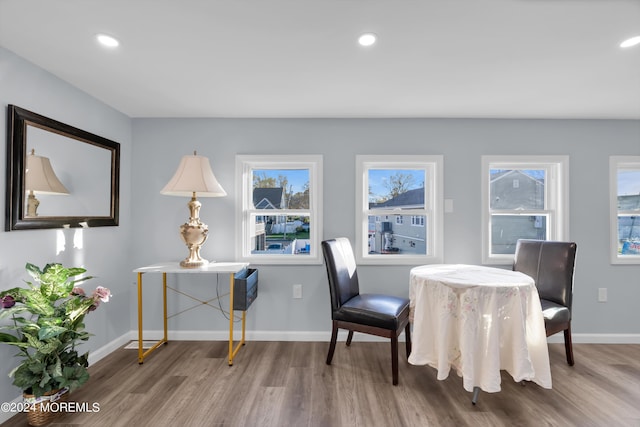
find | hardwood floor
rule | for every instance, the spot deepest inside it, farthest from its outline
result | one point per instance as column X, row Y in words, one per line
column 289, row 384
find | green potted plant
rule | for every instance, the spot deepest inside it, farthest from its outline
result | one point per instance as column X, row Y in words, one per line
column 46, row 325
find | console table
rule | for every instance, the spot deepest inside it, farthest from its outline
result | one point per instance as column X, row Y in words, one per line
column 231, row 268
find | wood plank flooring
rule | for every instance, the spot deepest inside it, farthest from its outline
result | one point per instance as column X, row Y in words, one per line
column 289, row 384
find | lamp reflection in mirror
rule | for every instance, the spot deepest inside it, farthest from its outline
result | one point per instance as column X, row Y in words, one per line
column 40, row 179
column 194, row 177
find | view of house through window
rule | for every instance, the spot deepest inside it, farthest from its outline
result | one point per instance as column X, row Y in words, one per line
column 278, row 208
column 629, row 211
column 396, row 190
column 625, row 209
column 518, row 211
column 399, row 209
column 276, row 190
column 524, row 197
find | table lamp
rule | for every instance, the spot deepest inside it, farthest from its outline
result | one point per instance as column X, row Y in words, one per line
column 194, row 176
column 39, row 178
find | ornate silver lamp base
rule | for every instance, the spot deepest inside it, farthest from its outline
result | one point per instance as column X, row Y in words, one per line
column 32, row 205
column 194, row 233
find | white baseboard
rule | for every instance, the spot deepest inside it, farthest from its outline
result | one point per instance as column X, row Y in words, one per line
column 107, row 349
column 597, row 338
column 251, row 336
column 325, row 336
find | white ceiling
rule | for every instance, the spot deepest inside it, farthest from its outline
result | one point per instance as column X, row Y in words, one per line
column 299, row 58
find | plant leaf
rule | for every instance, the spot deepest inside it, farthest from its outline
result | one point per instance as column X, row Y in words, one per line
column 8, row 338
column 33, row 270
column 49, row 348
column 48, row 332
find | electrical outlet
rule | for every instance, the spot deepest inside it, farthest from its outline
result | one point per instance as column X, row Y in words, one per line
column 602, row 294
column 297, row 291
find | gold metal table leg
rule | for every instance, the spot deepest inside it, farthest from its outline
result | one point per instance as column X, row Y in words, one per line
column 164, row 301
column 140, row 350
column 233, row 351
column 141, row 353
column 231, row 283
column 244, row 318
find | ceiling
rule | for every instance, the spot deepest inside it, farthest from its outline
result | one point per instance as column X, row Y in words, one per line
column 300, row 58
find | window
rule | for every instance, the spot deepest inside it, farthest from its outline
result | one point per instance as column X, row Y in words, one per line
column 523, row 197
column 399, row 209
column 625, row 209
column 278, row 207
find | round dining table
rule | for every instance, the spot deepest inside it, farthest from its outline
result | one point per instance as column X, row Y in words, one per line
column 478, row 320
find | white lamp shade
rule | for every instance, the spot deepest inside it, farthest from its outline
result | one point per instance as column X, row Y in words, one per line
column 40, row 177
column 194, row 175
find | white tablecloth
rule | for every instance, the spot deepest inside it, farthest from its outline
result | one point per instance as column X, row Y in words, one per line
column 478, row 320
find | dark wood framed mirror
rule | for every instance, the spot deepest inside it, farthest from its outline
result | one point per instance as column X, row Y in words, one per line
column 58, row 176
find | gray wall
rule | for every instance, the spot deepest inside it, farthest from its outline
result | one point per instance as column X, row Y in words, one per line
column 160, row 143
column 105, row 252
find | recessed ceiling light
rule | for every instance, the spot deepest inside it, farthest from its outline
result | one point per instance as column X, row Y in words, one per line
column 107, row 41
column 630, row 42
column 367, row 39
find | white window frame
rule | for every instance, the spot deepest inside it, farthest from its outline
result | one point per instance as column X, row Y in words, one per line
column 556, row 198
column 615, row 164
column 433, row 210
column 245, row 164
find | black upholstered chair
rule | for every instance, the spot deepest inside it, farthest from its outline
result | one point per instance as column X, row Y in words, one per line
column 551, row 264
column 376, row 314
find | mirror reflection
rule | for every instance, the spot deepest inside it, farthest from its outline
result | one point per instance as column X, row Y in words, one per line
column 58, row 175
column 86, row 182
column 41, row 179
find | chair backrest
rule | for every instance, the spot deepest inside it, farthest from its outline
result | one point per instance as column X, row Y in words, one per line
column 341, row 271
column 551, row 264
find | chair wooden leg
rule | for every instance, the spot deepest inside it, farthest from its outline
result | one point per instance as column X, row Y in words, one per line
column 394, row 359
column 332, row 345
column 349, row 338
column 407, row 335
column 568, row 346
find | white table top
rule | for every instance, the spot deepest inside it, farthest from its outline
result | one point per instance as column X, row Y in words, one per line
column 478, row 320
column 466, row 276
column 212, row 267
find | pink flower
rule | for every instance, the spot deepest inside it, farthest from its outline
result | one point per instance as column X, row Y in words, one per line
column 101, row 294
column 8, row 301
